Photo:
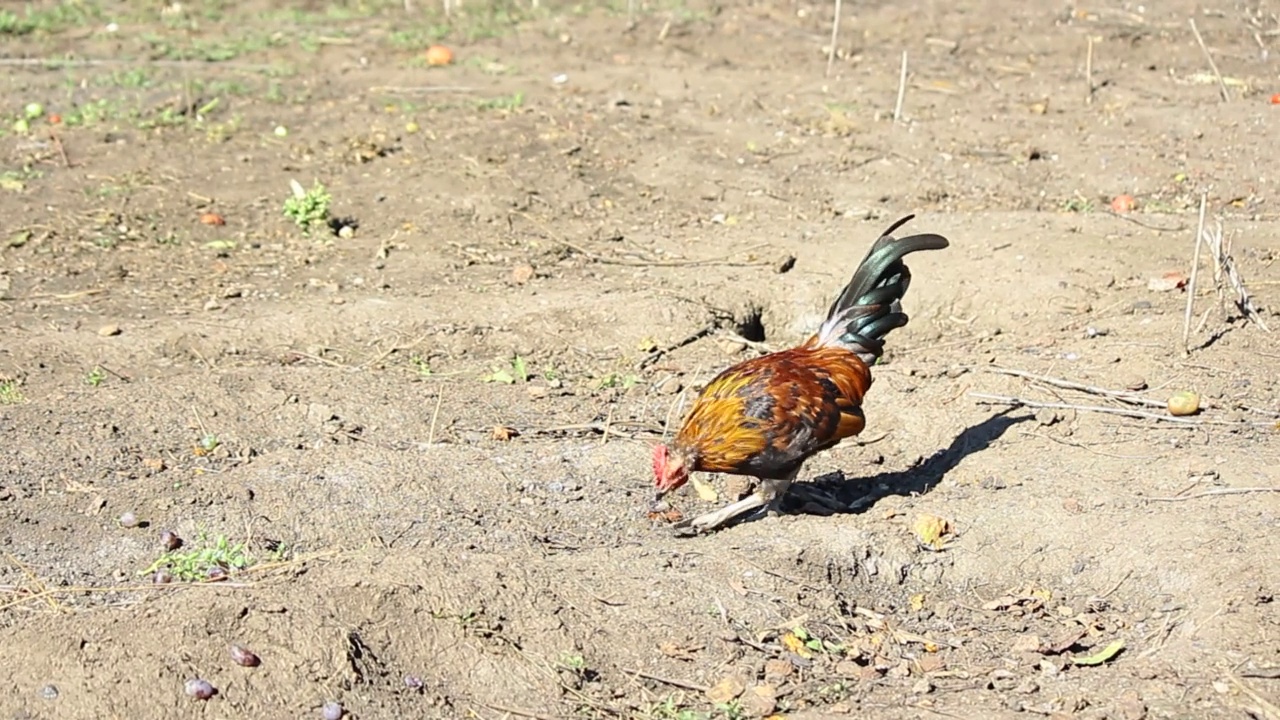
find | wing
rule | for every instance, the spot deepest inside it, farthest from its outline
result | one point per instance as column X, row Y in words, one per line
column 766, row 416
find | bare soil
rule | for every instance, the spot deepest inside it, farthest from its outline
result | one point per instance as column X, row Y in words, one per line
column 425, row 444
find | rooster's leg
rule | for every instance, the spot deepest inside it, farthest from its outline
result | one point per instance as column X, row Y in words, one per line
column 768, row 495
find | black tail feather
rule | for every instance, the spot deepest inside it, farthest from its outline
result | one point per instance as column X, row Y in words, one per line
column 868, row 307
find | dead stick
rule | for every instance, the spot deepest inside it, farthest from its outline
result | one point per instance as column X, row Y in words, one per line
column 667, row 681
column 1222, row 84
column 517, row 711
column 1216, row 492
column 608, row 421
column 835, row 34
column 1269, row 710
column 435, row 414
column 420, row 89
column 1020, row 402
column 1116, row 587
column 1122, row 395
column 57, row 142
column 653, row 357
column 902, row 89
column 1088, row 71
column 1191, row 284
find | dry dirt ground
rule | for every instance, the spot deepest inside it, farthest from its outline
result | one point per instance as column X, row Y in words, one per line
column 314, row 416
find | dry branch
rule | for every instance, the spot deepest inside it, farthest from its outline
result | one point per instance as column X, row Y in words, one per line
column 986, row 399
column 1191, row 284
column 1121, row 395
column 1222, row 84
column 902, row 89
column 1216, row 492
column 835, row 36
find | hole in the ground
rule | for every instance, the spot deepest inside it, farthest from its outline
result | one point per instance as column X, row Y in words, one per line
column 749, row 323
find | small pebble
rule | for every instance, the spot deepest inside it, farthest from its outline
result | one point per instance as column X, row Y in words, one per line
column 215, row 574
column 162, row 577
column 109, row 330
column 332, row 711
column 200, row 689
column 49, row 692
column 244, row 657
column 170, row 540
column 413, row 682
column 128, row 519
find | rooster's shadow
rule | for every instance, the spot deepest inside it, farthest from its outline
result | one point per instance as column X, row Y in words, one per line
column 834, row 492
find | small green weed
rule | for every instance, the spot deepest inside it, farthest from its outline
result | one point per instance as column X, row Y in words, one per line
column 1078, row 204
column 308, row 208
column 573, row 661
column 815, row 644
column 421, row 365
column 10, row 393
column 516, row 372
column 96, row 377
column 205, row 555
column 672, row 709
column 616, row 380
column 509, row 103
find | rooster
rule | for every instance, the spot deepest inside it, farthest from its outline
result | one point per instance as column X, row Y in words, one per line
column 766, row 416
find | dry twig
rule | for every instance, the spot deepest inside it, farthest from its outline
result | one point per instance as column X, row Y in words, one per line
column 1088, row 70
column 1224, row 264
column 835, row 35
column 667, row 681
column 1222, row 84
column 420, row 89
column 1191, row 284
column 1216, row 492
column 1121, row 395
column 902, row 89
column 987, row 399
column 690, row 339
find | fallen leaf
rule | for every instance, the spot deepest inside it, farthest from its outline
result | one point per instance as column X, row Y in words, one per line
column 795, row 644
column 930, row 529
column 1101, row 656
column 760, row 700
column 775, row 669
column 504, row 433
column 930, row 663
column 679, row 651
column 211, row 218
column 1027, row 644
column 522, row 274
column 726, row 690
column 704, row 490
column 670, row 515
column 1064, row 642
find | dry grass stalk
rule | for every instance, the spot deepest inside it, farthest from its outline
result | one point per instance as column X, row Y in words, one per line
column 835, row 35
column 1191, row 284
column 902, row 89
